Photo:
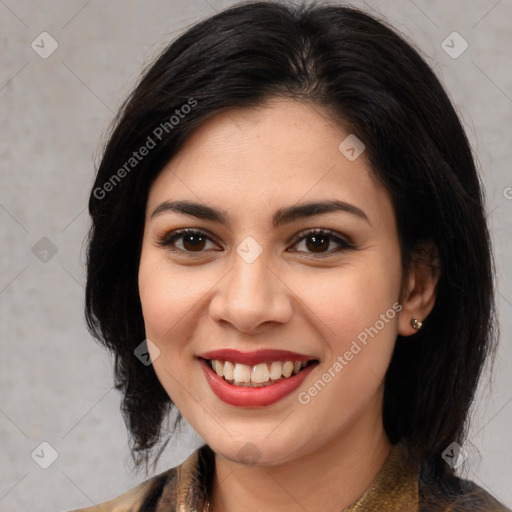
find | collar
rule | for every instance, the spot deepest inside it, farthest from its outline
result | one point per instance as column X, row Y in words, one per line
column 395, row 489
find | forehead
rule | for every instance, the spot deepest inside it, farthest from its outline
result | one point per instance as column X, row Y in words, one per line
column 280, row 153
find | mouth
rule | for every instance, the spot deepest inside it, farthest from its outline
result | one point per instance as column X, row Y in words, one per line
column 258, row 375
column 252, row 379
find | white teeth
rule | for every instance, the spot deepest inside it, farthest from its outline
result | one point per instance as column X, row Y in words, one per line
column 229, row 368
column 257, row 375
column 287, row 369
column 260, row 373
column 242, row 373
column 276, row 370
column 218, row 367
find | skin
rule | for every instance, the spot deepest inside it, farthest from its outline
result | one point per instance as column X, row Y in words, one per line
column 249, row 163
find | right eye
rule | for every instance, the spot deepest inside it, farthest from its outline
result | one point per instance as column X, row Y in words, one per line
column 187, row 241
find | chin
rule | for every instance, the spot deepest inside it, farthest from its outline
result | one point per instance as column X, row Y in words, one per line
column 257, row 450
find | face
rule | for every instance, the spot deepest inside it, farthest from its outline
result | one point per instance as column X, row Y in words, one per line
column 260, row 277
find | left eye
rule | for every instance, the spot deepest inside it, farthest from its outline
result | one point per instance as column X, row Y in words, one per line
column 319, row 241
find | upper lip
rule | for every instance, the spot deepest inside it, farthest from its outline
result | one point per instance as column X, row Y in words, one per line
column 255, row 357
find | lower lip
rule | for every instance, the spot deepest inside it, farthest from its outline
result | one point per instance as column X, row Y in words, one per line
column 253, row 397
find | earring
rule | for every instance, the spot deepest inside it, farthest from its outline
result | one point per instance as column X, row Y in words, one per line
column 416, row 324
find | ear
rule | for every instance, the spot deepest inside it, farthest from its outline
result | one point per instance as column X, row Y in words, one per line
column 420, row 294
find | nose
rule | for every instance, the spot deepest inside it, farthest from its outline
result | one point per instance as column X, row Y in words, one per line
column 250, row 296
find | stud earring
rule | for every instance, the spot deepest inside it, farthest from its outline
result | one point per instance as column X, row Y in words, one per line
column 416, row 324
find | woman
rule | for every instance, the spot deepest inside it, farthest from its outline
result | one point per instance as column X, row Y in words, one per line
column 288, row 224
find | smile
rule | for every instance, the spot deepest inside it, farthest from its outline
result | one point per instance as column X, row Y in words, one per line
column 255, row 379
column 259, row 375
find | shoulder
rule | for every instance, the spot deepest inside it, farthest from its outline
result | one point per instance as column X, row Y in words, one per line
column 456, row 495
column 140, row 498
column 475, row 498
column 182, row 487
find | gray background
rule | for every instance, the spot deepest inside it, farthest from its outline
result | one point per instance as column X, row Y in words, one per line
column 56, row 383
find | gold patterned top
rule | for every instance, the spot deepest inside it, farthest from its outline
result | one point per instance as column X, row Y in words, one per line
column 397, row 488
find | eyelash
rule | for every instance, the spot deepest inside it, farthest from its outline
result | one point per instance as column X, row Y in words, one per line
column 169, row 239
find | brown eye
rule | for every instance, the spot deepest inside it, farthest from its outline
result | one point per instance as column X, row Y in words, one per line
column 317, row 243
column 322, row 242
column 188, row 241
column 194, row 242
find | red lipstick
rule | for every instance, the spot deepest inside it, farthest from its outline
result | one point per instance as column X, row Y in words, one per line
column 242, row 396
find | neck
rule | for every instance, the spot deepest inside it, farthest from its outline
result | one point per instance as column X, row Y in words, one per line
column 327, row 480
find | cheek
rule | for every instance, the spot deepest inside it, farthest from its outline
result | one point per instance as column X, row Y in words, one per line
column 355, row 311
column 347, row 301
column 168, row 299
column 161, row 311
column 167, row 296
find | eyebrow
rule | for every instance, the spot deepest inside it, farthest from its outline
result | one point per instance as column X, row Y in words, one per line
column 282, row 216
